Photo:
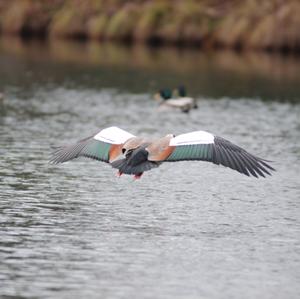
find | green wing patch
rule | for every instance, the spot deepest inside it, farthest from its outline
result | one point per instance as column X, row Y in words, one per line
column 88, row 147
column 191, row 152
column 96, row 150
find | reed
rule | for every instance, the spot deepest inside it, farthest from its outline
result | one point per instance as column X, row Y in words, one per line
column 249, row 24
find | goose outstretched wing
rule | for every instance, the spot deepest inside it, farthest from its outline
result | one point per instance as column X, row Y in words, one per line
column 204, row 146
column 104, row 146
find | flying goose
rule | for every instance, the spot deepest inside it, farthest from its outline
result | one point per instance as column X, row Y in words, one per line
column 134, row 155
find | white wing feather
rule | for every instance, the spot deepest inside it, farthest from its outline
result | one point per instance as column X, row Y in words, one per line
column 113, row 135
column 197, row 137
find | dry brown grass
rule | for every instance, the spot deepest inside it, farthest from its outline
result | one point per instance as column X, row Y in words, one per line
column 268, row 24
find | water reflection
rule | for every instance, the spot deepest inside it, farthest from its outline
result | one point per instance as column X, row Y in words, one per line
column 212, row 74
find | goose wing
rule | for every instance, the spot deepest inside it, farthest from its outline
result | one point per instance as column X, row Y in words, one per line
column 204, row 146
column 104, row 146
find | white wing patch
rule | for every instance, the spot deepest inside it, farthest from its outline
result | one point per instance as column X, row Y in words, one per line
column 197, row 137
column 113, row 135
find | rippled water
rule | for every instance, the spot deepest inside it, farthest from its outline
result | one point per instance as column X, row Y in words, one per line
column 185, row 230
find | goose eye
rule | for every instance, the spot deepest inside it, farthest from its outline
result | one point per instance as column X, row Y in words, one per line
column 128, row 153
column 123, row 150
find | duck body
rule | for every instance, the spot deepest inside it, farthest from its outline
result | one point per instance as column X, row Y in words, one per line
column 133, row 155
column 180, row 93
column 184, row 104
column 175, row 100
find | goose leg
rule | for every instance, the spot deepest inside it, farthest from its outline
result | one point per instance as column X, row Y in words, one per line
column 137, row 176
column 119, row 173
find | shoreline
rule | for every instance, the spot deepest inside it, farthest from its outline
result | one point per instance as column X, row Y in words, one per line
column 271, row 26
column 196, row 69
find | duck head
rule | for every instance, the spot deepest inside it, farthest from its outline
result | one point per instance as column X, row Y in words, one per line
column 180, row 91
column 163, row 94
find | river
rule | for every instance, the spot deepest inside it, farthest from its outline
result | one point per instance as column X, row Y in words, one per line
column 185, row 230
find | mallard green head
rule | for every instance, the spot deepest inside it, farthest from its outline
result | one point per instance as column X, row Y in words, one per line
column 181, row 91
column 166, row 94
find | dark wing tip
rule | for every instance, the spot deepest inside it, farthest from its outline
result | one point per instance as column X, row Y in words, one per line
column 59, row 155
column 235, row 157
column 256, row 166
column 264, row 162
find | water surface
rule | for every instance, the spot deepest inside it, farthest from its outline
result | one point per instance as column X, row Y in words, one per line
column 185, row 230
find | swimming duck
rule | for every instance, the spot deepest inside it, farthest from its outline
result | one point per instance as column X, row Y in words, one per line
column 134, row 155
column 180, row 93
column 176, row 99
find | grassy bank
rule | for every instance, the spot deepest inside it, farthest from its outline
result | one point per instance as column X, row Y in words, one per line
column 249, row 24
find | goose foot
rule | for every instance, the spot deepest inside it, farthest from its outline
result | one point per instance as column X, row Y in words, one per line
column 137, row 176
column 118, row 174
